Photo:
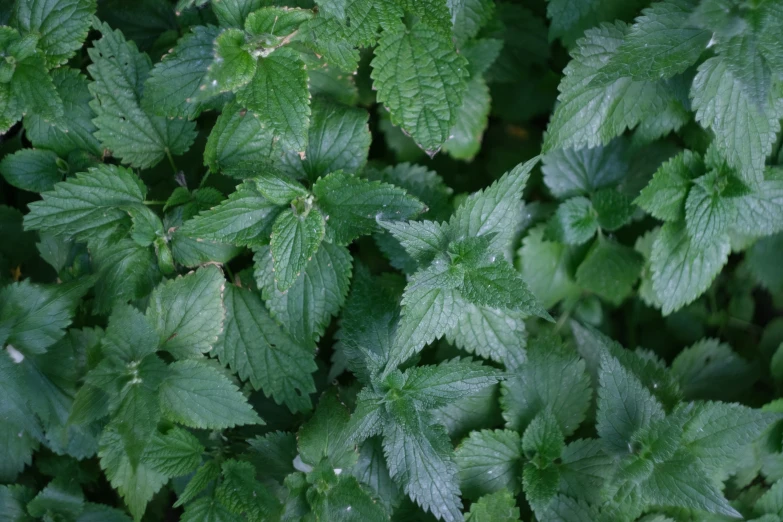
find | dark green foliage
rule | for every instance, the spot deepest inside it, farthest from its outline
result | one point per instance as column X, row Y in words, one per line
column 391, row 260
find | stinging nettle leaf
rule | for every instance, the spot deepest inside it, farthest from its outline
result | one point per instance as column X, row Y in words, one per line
column 295, row 238
column 421, row 80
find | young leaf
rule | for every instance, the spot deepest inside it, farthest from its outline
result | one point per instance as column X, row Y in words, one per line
column 295, row 239
column 664, row 197
column 496, row 507
column 569, row 172
column 174, row 454
column 237, row 140
column 421, row 80
column 435, row 386
column 199, row 396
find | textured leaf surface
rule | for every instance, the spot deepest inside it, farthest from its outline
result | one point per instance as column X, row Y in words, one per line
column 61, row 25
column 420, row 66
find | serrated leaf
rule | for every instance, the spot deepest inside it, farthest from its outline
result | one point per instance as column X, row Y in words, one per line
column 744, row 127
column 172, row 88
column 490, row 333
column 199, row 396
column 206, row 509
column 295, row 239
column 175, row 453
column 188, row 312
column 573, row 172
column 35, row 316
column 245, row 219
column 660, row 44
column 325, row 435
column 233, row 66
column 59, row 496
column 551, row 378
column 31, row 169
column 545, row 266
column 232, row 13
column 575, row 222
column 420, row 458
column 119, row 71
column 75, row 129
column 33, row 89
column 126, row 271
column 470, row 122
column 468, row 17
column 338, row 139
column 204, row 475
column 708, row 214
column 489, row 461
column 710, row 369
column 760, row 211
column 242, row 494
column 354, row 205
column 87, row 207
column 421, row 80
column 498, row 285
column 255, row 347
column 594, row 108
column 610, row 270
column 681, row 272
column 664, row 197
column 238, row 139
column 61, row 25
column 136, row 485
column 278, row 94
column 306, row 308
column 496, row 507
column 434, row 386
column 624, row 406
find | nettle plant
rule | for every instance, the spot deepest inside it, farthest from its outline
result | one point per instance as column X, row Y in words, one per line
column 407, row 260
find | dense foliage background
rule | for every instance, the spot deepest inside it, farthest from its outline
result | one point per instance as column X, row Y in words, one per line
column 391, row 260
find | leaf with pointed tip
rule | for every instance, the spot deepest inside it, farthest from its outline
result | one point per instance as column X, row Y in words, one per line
column 175, row 453
column 61, row 25
column 239, row 139
column 610, row 270
column 278, row 94
column 421, row 80
column 31, row 169
column 490, row 461
column 188, row 312
column 295, row 239
column 664, row 197
column 199, row 396
column 232, row 13
column 470, row 122
column 255, row 347
column 119, row 71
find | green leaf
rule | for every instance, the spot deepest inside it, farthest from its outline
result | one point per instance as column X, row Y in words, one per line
column 204, row 475
column 354, row 205
column 242, row 494
column 552, row 378
column 135, row 485
column 255, row 347
column 348, row 501
column 278, row 94
column 494, row 210
column 490, row 333
column 88, row 206
column 34, row 90
column 470, row 122
column 59, row 496
column 496, row 507
column 31, row 169
column 745, row 126
column 762, row 262
column 543, row 441
column 489, row 461
column 421, row 80
column 338, row 139
column 545, row 267
column 325, row 435
column 759, row 213
column 206, row 509
column 708, row 214
column 710, row 369
column 306, row 308
column 232, row 13
column 238, row 139
column 614, row 209
column 295, row 239
column 610, row 270
column 35, row 316
column 420, row 458
column 172, row 88
column 244, row 219
column 233, row 66
column 274, row 25
column 594, row 108
column 680, row 271
column 422, row 240
column 660, row 44
column 199, row 396
column 498, row 285
column 129, row 336
column 119, row 71
column 569, row 172
column 75, row 129
column 468, row 17
column 60, row 25
column 624, row 406
column 188, row 312
column 575, row 221
column 435, row 386
column 664, row 197
column 717, row 433
column 137, row 415
column 126, row 271
column 174, row 454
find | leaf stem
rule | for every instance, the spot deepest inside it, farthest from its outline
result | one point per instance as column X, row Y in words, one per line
column 155, row 202
column 171, row 161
